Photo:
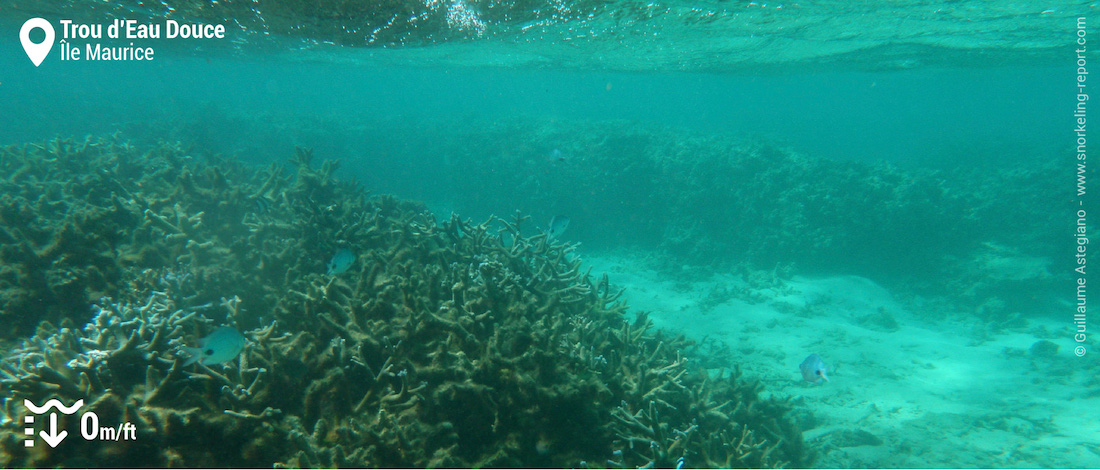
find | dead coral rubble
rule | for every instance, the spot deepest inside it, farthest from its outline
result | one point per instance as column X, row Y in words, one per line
column 447, row 343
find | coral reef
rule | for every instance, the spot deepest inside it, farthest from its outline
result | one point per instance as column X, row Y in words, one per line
column 733, row 202
column 711, row 199
column 447, row 343
column 719, row 201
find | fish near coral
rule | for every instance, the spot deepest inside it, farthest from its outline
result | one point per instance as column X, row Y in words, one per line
column 217, row 347
column 340, row 262
column 261, row 204
column 558, row 224
column 813, row 369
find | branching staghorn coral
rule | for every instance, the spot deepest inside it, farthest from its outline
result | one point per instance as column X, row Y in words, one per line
column 125, row 364
column 490, row 329
column 446, row 343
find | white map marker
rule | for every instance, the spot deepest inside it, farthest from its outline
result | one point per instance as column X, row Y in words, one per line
column 37, row 52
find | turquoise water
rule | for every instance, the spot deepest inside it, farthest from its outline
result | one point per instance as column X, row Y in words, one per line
column 889, row 187
column 922, row 116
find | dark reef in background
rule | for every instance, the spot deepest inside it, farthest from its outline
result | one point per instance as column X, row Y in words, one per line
column 447, row 343
column 713, row 199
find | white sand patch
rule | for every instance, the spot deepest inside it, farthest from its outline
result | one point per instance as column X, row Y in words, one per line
column 906, row 391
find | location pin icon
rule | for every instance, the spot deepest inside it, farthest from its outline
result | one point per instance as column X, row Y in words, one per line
column 37, row 52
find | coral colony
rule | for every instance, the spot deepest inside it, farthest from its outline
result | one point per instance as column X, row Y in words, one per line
column 445, row 343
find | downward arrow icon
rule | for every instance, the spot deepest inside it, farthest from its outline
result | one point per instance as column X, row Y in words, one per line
column 53, row 438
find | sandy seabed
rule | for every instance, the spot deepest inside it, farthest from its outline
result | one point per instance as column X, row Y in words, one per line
column 906, row 390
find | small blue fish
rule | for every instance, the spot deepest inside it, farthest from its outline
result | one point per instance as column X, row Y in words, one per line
column 813, row 369
column 555, row 156
column 217, row 347
column 558, row 224
column 341, row 261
